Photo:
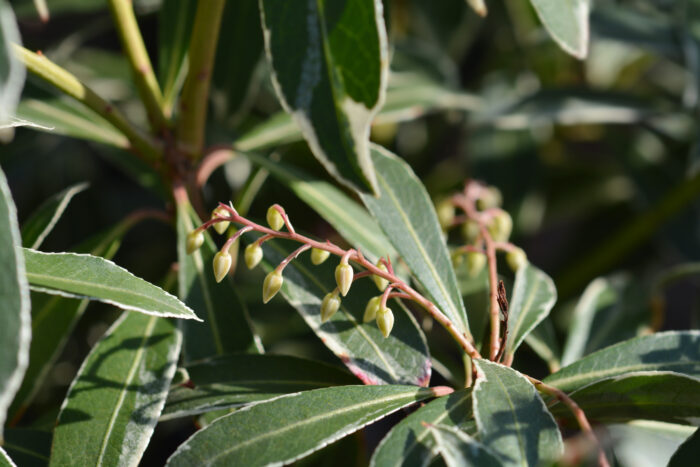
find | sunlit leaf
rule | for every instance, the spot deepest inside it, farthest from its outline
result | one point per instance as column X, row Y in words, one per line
column 459, row 449
column 646, row 442
column 567, row 23
column 12, row 71
column 5, row 460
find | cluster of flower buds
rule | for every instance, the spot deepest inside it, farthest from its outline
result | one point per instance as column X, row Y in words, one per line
column 276, row 219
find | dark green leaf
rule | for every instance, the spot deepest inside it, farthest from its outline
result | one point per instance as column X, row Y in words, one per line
column 407, row 216
column 290, row 427
column 235, row 380
column 5, row 460
column 410, row 443
column 513, row 420
column 459, row 449
column 115, row 400
column 567, row 23
column 42, row 221
column 12, row 71
column 475, row 295
column 400, row 358
column 330, row 64
column 532, row 299
column 687, row 453
column 677, row 351
column 15, row 318
column 543, row 341
column 175, row 21
column 86, row 276
column 226, row 328
column 29, row 448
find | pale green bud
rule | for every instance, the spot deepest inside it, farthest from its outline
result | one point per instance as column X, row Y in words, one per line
column 385, row 321
column 501, row 226
column 457, row 258
column 319, row 256
column 446, row 213
column 222, row 264
column 274, row 218
column 253, row 254
column 343, row 277
column 380, row 281
column 490, row 198
column 330, row 304
column 470, row 231
column 195, row 239
column 516, row 259
column 475, row 263
column 371, row 309
column 272, row 285
column 220, row 227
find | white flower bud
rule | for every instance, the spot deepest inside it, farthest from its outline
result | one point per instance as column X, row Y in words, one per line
column 385, row 321
column 253, row 254
column 274, row 218
column 222, row 264
column 195, row 239
column 319, row 256
column 516, row 259
column 343, row 277
column 330, row 304
column 371, row 309
column 272, row 285
column 220, row 227
column 380, row 282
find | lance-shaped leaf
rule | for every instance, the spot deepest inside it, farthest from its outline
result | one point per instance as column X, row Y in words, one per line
column 349, row 218
column 42, row 221
column 290, row 427
column 226, row 327
column 458, row 449
column 677, row 351
column 543, row 341
column 5, row 460
column 649, row 395
column 687, row 452
column 12, row 71
column 410, row 443
column 175, row 21
column 15, row 317
column 401, row 358
column 513, row 420
column 329, row 64
column 567, row 23
column 115, row 400
column 27, row 447
column 86, row 276
column 533, row 297
column 646, row 442
column 407, row 216
column 234, row 380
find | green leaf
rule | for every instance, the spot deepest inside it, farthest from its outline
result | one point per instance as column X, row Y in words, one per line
column 459, row 449
column 42, row 221
column 290, row 427
column 533, row 297
column 29, row 448
column 513, row 420
column 543, row 341
column 407, row 216
column 677, row 351
column 115, row 400
column 349, row 218
column 567, row 23
column 649, row 395
column 645, row 442
column 409, row 442
column 65, row 117
column 401, row 358
column 175, row 21
column 85, row 276
column 15, row 318
column 475, row 296
column 687, row 453
column 12, row 71
column 235, row 380
column 5, row 460
column 226, row 328
column 329, row 62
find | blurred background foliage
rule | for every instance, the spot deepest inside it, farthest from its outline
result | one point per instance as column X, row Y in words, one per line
column 598, row 160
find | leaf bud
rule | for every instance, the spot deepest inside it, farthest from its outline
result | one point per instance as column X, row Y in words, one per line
column 491, row 197
column 343, row 277
column 222, row 264
column 380, row 282
column 470, row 231
column 501, row 226
column 446, row 213
column 195, row 239
column 274, row 218
column 272, row 285
column 220, row 227
column 371, row 309
column 385, row 321
column 475, row 263
column 330, row 304
column 253, row 254
column 516, row 259
column 318, row 256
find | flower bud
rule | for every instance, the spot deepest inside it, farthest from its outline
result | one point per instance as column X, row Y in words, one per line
column 195, row 239
column 378, row 280
column 470, row 231
column 371, row 309
column 516, row 259
column 385, row 321
column 501, row 226
column 446, row 213
column 330, row 304
column 220, row 227
column 253, row 254
column 491, row 197
column 457, row 258
column 222, row 264
column 343, row 277
column 272, row 285
column 274, row 218
column 319, row 256
column 475, row 263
